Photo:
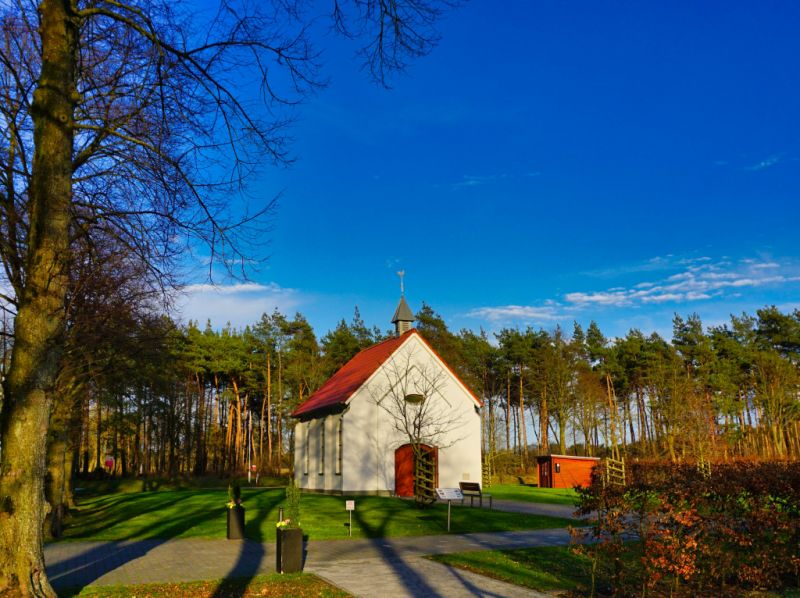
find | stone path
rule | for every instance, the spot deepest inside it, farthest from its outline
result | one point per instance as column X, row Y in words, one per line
column 78, row 564
column 530, row 508
column 414, row 577
column 364, row 567
column 392, row 567
column 378, row 567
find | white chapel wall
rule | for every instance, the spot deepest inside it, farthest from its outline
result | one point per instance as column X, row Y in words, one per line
column 370, row 437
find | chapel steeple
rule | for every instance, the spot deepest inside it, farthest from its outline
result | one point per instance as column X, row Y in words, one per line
column 403, row 316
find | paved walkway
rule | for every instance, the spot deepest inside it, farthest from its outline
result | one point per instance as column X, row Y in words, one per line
column 78, row 564
column 364, row 567
column 531, row 508
column 414, row 577
column 395, row 566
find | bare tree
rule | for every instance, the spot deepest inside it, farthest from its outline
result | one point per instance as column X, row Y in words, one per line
column 109, row 300
column 127, row 117
column 412, row 395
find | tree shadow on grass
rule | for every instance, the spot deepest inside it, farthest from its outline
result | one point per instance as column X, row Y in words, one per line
column 97, row 519
column 101, row 558
column 179, row 513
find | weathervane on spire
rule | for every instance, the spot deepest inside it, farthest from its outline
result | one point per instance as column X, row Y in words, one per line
column 403, row 316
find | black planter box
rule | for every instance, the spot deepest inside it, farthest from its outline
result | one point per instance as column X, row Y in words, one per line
column 236, row 523
column 289, row 552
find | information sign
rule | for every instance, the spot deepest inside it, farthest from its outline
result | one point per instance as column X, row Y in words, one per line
column 449, row 494
column 350, row 506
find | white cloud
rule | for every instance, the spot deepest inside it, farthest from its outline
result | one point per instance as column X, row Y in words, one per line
column 699, row 279
column 517, row 312
column 240, row 304
column 617, row 298
column 697, row 296
column 766, row 163
column 473, row 180
column 663, row 297
column 654, row 264
column 232, row 289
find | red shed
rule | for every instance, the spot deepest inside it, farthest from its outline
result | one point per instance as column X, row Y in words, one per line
column 565, row 471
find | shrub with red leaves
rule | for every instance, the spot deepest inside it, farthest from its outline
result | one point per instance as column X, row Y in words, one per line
column 735, row 530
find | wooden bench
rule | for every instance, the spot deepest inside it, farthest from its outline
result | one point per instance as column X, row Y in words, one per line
column 473, row 489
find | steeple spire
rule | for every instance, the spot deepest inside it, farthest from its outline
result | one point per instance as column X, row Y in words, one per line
column 403, row 316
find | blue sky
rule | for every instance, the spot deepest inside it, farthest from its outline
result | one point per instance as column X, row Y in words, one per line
column 549, row 161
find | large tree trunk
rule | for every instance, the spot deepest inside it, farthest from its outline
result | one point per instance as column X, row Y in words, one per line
column 39, row 325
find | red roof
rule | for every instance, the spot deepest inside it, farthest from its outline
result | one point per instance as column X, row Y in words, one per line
column 352, row 376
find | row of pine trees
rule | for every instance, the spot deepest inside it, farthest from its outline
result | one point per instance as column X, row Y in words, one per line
column 139, row 395
column 144, row 396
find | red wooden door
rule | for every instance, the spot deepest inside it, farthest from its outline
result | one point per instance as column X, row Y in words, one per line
column 404, row 471
column 404, row 468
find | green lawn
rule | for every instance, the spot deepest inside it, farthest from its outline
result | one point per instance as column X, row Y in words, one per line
column 202, row 513
column 546, row 569
column 271, row 586
column 557, row 496
column 552, row 569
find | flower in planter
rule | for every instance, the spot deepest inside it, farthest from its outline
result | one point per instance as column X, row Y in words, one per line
column 289, row 548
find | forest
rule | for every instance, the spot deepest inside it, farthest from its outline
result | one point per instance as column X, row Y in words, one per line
column 141, row 395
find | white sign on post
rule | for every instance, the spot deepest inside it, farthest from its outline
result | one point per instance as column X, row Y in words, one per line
column 350, row 506
column 449, row 494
